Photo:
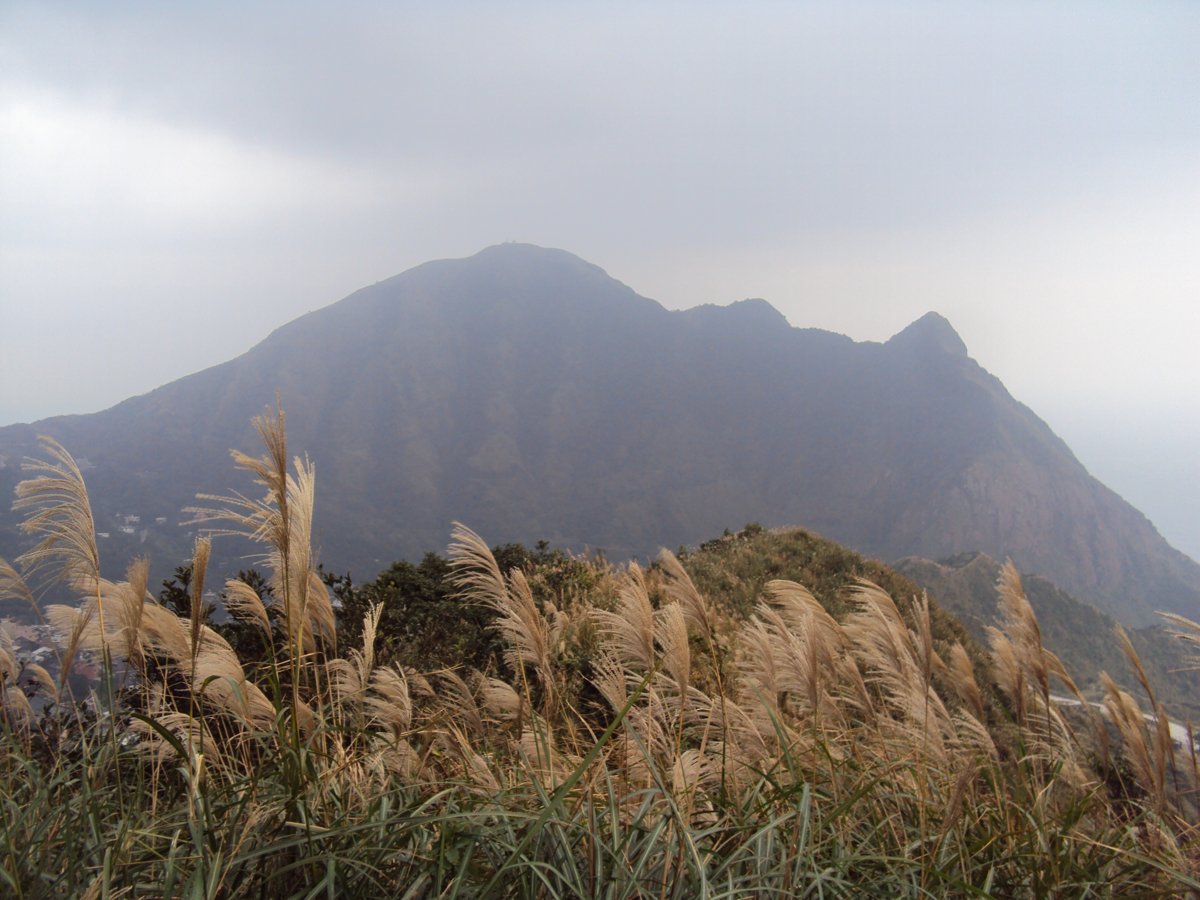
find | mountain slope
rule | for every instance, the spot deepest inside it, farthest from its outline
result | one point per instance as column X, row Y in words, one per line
column 525, row 392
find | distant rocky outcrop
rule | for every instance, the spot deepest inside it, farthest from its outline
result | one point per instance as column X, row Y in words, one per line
column 527, row 393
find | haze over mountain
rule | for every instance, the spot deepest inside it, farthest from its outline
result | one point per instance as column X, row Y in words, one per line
column 528, row 394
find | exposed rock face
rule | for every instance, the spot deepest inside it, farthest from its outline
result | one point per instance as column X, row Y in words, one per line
column 525, row 392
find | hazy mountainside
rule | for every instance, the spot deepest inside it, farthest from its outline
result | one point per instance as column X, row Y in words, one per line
column 525, row 392
column 1081, row 635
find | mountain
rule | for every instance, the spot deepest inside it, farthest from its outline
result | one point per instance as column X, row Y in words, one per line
column 527, row 393
column 1081, row 635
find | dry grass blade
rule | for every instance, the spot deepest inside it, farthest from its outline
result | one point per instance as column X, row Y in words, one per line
column 931, row 662
column 200, row 555
column 131, row 613
column 502, row 700
column 880, row 638
column 283, row 521
column 1021, row 667
column 459, row 702
column 1186, row 630
column 808, row 647
column 525, row 631
column 671, row 631
column 264, row 521
column 243, row 601
column 13, row 702
column 307, row 612
column 321, row 618
column 351, row 676
column 366, row 658
column 963, row 679
column 479, row 773
column 757, row 664
column 541, row 754
column 59, row 510
column 71, row 629
column 610, row 678
column 794, row 658
column 1125, row 714
column 74, row 629
column 1021, row 626
column 1162, row 744
column 110, row 619
column 14, row 587
column 475, row 571
column 391, row 703
column 900, row 662
column 217, row 675
column 801, row 610
column 972, row 737
column 164, row 633
column 1006, row 669
column 186, row 729
column 8, row 659
column 680, row 588
column 629, row 629
column 524, row 628
column 43, row 679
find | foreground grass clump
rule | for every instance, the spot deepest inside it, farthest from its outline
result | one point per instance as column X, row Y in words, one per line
column 633, row 738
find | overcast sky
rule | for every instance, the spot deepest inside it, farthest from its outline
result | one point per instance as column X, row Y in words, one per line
column 176, row 180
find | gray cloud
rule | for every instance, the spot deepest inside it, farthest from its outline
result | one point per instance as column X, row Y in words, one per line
column 177, row 180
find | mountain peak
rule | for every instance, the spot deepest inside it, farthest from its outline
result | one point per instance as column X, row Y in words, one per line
column 527, row 265
column 515, row 257
column 753, row 313
column 759, row 310
column 515, row 250
column 931, row 331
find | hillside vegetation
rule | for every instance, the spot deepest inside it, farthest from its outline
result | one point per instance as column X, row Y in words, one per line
column 702, row 727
